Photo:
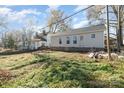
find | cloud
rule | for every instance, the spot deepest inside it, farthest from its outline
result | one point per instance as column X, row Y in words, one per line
column 5, row 11
column 13, row 15
column 29, row 11
column 78, row 8
column 80, row 24
column 22, row 14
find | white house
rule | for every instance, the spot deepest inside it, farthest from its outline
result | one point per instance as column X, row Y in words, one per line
column 34, row 44
column 88, row 37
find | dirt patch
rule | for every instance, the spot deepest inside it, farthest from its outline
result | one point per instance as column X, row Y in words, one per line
column 5, row 75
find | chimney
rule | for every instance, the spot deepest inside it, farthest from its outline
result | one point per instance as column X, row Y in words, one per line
column 44, row 32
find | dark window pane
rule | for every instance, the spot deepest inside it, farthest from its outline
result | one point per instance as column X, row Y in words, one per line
column 60, row 41
column 92, row 35
column 75, row 40
column 68, row 40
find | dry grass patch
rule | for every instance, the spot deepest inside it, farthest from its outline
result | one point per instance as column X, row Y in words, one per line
column 6, row 62
column 68, row 55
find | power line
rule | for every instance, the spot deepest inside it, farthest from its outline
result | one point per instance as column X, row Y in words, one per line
column 69, row 16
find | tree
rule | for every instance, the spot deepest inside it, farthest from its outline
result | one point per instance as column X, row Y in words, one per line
column 28, row 32
column 17, row 37
column 8, row 40
column 54, row 22
column 97, row 13
column 3, row 28
column 94, row 13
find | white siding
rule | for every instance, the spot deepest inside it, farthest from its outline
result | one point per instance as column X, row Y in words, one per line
column 98, row 41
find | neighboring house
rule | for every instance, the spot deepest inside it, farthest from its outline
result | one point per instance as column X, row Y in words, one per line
column 37, row 41
column 43, row 37
column 20, row 46
column 34, row 44
column 88, row 37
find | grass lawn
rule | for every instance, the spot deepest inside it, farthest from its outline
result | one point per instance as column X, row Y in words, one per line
column 59, row 69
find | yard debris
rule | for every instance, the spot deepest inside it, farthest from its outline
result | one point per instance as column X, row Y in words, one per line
column 120, row 57
column 114, row 56
column 103, row 55
column 91, row 55
column 95, row 55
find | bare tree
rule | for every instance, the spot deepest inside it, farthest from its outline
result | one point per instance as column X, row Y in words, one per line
column 17, row 36
column 3, row 28
column 8, row 40
column 98, row 12
column 94, row 13
column 54, row 21
column 28, row 31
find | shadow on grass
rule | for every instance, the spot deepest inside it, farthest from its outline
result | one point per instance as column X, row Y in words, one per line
column 36, row 60
column 16, row 52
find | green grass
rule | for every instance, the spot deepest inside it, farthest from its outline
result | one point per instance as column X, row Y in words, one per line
column 49, row 71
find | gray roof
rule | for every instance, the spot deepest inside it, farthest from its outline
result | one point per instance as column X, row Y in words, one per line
column 90, row 29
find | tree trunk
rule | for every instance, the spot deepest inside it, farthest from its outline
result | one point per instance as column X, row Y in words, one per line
column 108, row 38
column 119, row 31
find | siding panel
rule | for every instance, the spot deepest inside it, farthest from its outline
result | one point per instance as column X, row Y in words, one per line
column 87, row 41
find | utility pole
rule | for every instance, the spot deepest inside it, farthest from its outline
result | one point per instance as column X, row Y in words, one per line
column 108, row 41
column 119, row 32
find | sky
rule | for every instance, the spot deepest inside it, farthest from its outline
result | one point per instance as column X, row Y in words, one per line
column 18, row 15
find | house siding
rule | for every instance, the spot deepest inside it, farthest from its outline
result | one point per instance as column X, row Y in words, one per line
column 33, row 46
column 97, row 42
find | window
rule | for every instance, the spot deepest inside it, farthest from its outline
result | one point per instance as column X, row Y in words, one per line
column 74, row 39
column 81, row 37
column 68, row 40
column 92, row 35
column 60, row 41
